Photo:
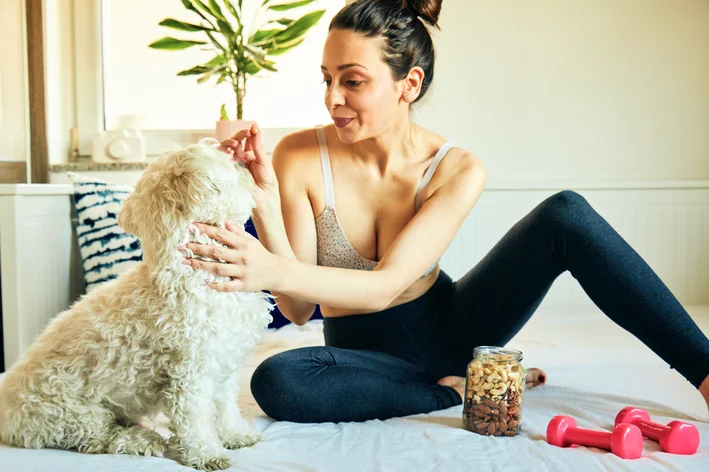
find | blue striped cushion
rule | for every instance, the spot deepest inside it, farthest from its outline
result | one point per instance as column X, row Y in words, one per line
column 106, row 250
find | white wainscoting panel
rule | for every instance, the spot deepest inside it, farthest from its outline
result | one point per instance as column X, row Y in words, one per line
column 666, row 223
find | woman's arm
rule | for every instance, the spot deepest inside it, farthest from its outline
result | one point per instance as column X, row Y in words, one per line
column 286, row 225
column 454, row 190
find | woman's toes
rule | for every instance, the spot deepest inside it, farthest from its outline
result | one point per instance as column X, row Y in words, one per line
column 458, row 383
column 535, row 378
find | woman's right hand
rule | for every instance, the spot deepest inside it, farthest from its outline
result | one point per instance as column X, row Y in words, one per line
column 246, row 148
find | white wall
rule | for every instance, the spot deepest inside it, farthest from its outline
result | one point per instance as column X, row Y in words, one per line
column 14, row 127
column 565, row 90
column 575, row 90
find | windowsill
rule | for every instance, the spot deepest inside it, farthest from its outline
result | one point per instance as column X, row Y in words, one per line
column 157, row 142
column 84, row 166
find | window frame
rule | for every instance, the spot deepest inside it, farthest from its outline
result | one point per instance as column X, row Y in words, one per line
column 89, row 90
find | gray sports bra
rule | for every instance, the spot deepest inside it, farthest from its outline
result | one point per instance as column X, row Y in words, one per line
column 334, row 249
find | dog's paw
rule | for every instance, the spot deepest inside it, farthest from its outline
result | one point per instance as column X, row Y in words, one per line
column 198, row 456
column 138, row 440
column 215, row 463
column 240, row 439
column 202, row 462
column 156, row 449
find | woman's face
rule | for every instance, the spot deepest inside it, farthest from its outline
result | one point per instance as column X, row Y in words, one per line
column 361, row 96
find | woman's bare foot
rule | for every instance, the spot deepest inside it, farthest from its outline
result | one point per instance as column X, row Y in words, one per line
column 535, row 378
column 458, row 383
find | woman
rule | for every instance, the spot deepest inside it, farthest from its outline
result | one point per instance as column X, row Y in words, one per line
column 354, row 217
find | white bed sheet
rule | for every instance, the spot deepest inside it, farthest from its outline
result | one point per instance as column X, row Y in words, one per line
column 595, row 369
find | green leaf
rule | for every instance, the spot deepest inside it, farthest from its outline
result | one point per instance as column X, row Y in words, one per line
column 233, row 11
column 216, row 43
column 174, row 44
column 216, row 61
column 255, row 51
column 288, row 6
column 204, row 78
column 300, row 26
column 254, row 66
column 221, row 79
column 251, row 68
column 264, row 63
column 189, row 6
column 211, row 67
column 269, row 65
column 216, row 10
column 181, row 25
column 261, row 35
column 273, row 44
column 222, row 111
column 205, row 8
column 225, row 28
column 194, row 71
column 209, row 73
column 284, row 21
column 281, row 49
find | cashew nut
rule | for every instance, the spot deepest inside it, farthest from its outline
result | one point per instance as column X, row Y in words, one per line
column 494, row 377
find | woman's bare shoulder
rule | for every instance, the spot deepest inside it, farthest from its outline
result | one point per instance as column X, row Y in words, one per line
column 297, row 151
column 299, row 143
column 456, row 159
column 459, row 159
column 457, row 163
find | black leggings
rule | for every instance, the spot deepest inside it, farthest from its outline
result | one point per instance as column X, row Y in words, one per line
column 386, row 364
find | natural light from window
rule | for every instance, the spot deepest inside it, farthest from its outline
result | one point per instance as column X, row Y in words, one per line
column 142, row 81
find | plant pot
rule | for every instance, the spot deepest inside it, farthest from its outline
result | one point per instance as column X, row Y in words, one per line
column 225, row 129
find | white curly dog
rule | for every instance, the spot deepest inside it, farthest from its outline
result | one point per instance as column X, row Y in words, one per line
column 156, row 339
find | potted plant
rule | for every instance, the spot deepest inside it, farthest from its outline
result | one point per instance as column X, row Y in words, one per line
column 243, row 47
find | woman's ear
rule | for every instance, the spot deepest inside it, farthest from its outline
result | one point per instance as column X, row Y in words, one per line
column 412, row 84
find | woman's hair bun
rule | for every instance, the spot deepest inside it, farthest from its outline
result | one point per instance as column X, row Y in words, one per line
column 427, row 10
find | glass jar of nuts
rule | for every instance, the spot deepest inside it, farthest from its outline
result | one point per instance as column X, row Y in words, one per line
column 494, row 386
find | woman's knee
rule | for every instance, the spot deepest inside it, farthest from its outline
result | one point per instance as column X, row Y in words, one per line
column 567, row 199
column 565, row 208
column 279, row 382
column 275, row 370
column 291, row 364
column 269, row 385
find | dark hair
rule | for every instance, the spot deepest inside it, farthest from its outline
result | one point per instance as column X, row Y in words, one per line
column 400, row 23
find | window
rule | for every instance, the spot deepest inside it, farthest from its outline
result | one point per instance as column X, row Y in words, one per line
column 141, row 83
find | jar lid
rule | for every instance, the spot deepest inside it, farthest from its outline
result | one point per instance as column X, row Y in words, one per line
column 497, row 354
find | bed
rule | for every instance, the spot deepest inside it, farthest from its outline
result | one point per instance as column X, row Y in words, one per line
column 595, row 368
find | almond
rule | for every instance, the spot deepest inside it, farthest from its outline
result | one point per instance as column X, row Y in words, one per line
column 491, row 429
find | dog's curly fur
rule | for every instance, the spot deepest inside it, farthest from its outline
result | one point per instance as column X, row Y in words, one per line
column 154, row 339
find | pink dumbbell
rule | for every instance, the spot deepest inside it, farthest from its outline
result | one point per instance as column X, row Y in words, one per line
column 676, row 438
column 626, row 440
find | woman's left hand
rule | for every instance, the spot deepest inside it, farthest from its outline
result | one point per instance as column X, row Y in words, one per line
column 250, row 265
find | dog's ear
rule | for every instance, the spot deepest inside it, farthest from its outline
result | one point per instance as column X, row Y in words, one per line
column 135, row 215
column 126, row 218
